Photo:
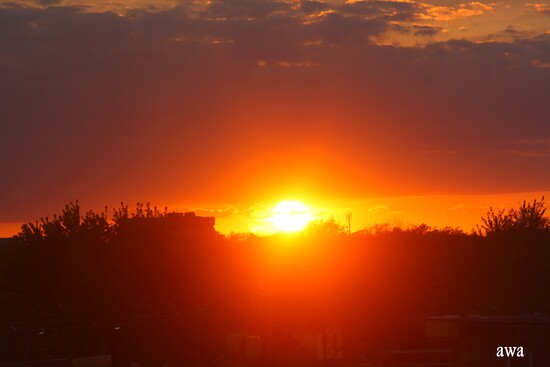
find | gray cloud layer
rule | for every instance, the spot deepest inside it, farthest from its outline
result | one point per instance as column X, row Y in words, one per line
column 94, row 103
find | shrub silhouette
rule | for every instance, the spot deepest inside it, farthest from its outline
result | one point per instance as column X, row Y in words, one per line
column 528, row 217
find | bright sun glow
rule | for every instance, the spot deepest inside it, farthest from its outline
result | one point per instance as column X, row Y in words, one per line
column 290, row 216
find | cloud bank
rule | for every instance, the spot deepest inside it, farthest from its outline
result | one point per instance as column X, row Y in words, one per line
column 230, row 101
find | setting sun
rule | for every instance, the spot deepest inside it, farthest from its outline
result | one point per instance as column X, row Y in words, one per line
column 290, row 216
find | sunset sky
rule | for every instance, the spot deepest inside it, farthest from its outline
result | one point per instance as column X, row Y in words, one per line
column 395, row 111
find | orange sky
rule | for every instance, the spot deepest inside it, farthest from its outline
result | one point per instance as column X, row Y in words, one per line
column 399, row 111
column 464, row 212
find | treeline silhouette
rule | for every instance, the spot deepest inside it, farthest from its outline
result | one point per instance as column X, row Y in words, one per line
column 140, row 286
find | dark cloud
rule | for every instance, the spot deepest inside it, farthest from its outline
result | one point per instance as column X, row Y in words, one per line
column 511, row 30
column 245, row 8
column 365, row 8
column 426, row 30
column 395, row 10
column 313, row 6
column 48, row 2
column 337, row 29
column 175, row 103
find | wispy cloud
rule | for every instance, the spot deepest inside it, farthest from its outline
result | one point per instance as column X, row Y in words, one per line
column 539, row 7
column 536, row 148
column 462, row 11
column 438, row 152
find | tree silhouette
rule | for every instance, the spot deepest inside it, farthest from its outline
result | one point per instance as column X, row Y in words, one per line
column 528, row 217
column 170, row 289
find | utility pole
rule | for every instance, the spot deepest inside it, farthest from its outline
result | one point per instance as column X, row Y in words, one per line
column 348, row 217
